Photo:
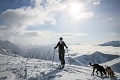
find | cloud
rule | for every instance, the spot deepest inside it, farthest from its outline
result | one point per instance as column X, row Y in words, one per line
column 70, row 34
column 96, row 3
column 93, row 2
column 114, row 34
column 31, row 16
column 86, row 15
column 110, row 19
column 14, row 23
column 28, row 37
column 107, row 20
column 25, row 17
column 41, row 12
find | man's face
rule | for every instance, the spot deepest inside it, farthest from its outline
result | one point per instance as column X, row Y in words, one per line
column 60, row 39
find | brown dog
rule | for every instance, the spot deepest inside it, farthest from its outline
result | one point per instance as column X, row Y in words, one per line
column 109, row 72
column 99, row 68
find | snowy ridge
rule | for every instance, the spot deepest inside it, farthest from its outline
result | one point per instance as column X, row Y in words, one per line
column 19, row 68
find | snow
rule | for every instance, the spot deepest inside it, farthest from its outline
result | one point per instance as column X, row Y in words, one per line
column 13, row 68
column 19, row 68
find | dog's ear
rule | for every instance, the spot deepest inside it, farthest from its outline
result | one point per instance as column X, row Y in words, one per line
column 90, row 63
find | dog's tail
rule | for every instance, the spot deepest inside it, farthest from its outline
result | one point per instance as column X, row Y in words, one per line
column 90, row 64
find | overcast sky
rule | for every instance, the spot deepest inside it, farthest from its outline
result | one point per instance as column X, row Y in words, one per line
column 44, row 21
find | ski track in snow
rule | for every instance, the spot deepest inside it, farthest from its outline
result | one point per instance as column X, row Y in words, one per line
column 19, row 68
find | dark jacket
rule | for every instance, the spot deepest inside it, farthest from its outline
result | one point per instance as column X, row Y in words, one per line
column 60, row 45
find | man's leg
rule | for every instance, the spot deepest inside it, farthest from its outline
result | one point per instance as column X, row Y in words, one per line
column 63, row 60
column 60, row 58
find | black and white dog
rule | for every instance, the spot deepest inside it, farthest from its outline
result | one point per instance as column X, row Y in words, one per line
column 99, row 68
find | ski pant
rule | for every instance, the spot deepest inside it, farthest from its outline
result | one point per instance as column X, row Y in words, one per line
column 61, row 56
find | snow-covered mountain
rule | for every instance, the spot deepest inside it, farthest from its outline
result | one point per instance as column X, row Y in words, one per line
column 19, row 68
column 111, row 43
column 7, row 45
column 96, row 57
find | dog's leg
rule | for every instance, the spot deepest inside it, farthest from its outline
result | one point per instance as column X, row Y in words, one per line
column 111, row 74
column 97, row 72
column 93, row 71
column 101, row 73
column 104, row 72
column 108, row 74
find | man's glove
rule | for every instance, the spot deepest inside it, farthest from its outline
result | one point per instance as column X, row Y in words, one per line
column 55, row 47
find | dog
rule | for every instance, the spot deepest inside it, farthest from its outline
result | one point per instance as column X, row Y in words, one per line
column 109, row 72
column 99, row 68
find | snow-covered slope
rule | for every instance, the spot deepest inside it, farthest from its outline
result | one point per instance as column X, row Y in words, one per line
column 46, row 53
column 9, row 46
column 115, row 64
column 19, row 68
column 8, row 52
column 96, row 57
column 111, row 43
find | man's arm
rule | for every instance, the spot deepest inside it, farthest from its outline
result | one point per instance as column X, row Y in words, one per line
column 56, row 45
column 65, row 45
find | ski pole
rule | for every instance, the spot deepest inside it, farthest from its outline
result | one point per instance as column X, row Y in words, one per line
column 68, row 54
column 53, row 57
column 68, row 57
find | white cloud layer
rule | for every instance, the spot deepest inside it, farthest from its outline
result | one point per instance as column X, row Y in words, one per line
column 71, row 34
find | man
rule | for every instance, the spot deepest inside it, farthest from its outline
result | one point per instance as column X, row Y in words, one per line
column 61, row 51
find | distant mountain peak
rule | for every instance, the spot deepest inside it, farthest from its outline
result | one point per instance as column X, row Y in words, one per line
column 111, row 43
column 97, row 52
column 5, row 44
column 4, row 41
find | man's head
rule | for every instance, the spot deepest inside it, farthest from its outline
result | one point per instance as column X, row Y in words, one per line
column 61, row 38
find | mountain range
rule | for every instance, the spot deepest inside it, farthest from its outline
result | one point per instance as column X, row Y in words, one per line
column 96, row 57
column 111, row 43
column 10, row 46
